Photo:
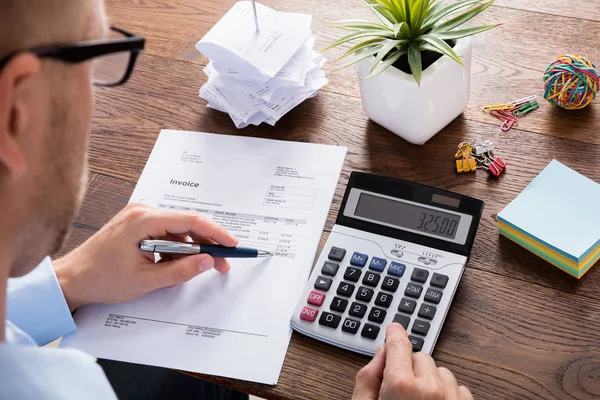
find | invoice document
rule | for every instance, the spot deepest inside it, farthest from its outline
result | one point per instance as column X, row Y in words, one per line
column 272, row 195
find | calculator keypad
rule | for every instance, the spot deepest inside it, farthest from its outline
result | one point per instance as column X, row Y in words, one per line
column 345, row 289
column 364, row 294
column 370, row 331
column 378, row 284
column 358, row 310
column 338, row 304
column 323, row 283
column 413, row 290
column 371, row 279
column 352, row 274
column 330, row 268
column 330, row 320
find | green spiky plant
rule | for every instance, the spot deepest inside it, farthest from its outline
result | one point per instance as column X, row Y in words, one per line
column 409, row 27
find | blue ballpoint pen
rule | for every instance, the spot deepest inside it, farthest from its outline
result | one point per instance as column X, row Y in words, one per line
column 215, row 250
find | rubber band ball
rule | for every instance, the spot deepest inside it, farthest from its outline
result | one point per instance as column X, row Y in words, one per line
column 571, row 82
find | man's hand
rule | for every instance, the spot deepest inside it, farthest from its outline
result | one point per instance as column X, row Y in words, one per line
column 110, row 267
column 395, row 373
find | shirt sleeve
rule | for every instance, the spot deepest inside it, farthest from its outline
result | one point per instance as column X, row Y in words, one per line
column 36, row 305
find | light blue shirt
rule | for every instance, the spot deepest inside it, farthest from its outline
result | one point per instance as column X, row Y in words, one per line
column 37, row 314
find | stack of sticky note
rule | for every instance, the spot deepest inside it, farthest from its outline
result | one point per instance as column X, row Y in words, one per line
column 557, row 217
column 259, row 77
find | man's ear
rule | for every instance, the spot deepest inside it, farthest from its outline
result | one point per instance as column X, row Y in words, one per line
column 13, row 111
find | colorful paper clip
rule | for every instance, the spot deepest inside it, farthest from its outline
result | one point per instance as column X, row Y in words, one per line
column 498, row 107
column 524, row 100
column 526, row 108
column 509, row 113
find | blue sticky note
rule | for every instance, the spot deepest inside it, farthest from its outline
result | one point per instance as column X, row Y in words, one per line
column 561, row 209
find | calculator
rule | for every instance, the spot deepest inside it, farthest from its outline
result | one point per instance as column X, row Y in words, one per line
column 396, row 253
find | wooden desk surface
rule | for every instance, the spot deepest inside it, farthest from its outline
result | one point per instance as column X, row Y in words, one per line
column 519, row 328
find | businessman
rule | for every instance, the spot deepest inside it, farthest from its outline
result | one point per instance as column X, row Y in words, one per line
column 51, row 54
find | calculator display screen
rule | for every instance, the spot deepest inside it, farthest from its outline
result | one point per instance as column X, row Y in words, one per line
column 406, row 215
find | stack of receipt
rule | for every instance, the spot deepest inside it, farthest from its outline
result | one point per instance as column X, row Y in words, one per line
column 260, row 76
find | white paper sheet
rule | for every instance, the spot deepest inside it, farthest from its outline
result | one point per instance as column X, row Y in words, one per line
column 259, row 77
column 234, row 38
column 273, row 195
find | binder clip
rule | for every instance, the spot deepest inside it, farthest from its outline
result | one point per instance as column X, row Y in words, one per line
column 483, row 150
column 464, row 161
column 496, row 168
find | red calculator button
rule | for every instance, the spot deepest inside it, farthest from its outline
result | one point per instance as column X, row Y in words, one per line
column 308, row 314
column 316, row 298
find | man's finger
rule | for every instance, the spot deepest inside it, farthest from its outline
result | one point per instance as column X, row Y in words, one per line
column 465, row 393
column 182, row 270
column 222, row 265
column 160, row 223
column 398, row 353
column 368, row 379
column 424, row 366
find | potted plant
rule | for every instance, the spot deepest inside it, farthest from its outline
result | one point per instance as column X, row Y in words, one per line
column 413, row 63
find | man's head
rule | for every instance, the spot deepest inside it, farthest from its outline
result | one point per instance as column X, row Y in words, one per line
column 45, row 113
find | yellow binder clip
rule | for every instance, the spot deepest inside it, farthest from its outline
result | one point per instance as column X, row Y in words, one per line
column 464, row 161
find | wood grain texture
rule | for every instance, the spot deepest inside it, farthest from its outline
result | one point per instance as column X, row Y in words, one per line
column 519, row 328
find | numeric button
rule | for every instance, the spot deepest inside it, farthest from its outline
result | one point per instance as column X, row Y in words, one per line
column 352, row 274
column 371, row 279
column 433, row 295
column 419, row 275
column 370, row 331
column 357, row 310
column 330, row 268
column 364, row 294
column 338, row 304
column 384, row 299
column 345, row 289
column 407, row 305
column 377, row 315
column 329, row 320
column 439, row 280
column 350, row 326
column 336, row 254
column 390, row 284
column 413, row 290
column 323, row 283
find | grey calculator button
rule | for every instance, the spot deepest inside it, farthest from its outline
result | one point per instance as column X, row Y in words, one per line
column 417, row 342
column 402, row 320
column 413, row 290
column 420, row 327
column 336, row 254
column 350, row 325
column 419, row 275
column 427, row 311
column 330, row 268
column 439, row 280
column 323, row 283
column 407, row 305
column 433, row 295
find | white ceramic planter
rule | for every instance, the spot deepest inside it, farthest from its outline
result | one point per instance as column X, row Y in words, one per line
column 395, row 101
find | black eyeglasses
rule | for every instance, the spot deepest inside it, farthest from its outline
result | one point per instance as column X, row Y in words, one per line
column 114, row 57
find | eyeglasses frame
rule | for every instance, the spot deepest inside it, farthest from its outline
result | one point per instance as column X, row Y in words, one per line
column 85, row 50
